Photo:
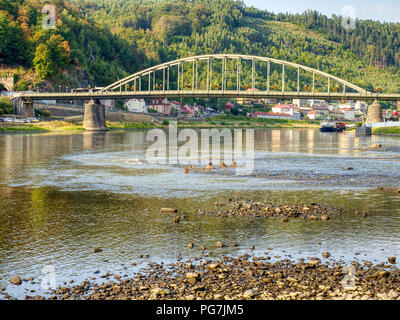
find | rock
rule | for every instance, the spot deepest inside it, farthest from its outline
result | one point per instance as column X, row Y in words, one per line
column 159, row 291
column 313, row 218
column 169, row 210
column 190, row 245
column 250, row 293
column 16, row 280
column 392, row 260
column 213, row 266
column 220, row 244
column 375, row 146
column 348, row 168
column 97, row 250
column 326, row 255
column 177, row 220
column 133, row 264
column 285, row 220
column 202, row 248
column 324, row 217
column 192, row 277
column 382, row 274
column 313, row 262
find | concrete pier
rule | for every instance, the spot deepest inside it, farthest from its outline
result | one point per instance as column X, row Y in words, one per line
column 28, row 109
column 374, row 113
column 95, row 116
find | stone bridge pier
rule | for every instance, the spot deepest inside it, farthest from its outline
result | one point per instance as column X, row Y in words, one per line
column 28, row 110
column 95, row 116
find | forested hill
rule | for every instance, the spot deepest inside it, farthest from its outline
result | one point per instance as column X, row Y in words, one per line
column 108, row 39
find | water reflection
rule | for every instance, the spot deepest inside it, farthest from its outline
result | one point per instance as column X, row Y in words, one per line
column 62, row 195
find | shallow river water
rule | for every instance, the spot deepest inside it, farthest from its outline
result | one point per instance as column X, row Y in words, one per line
column 63, row 195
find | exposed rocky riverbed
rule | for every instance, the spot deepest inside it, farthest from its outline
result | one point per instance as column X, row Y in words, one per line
column 245, row 277
column 247, row 208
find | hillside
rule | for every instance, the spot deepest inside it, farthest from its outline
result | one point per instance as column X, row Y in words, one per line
column 99, row 41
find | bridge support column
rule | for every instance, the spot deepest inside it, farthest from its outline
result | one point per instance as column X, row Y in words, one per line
column 374, row 113
column 95, row 117
column 28, row 109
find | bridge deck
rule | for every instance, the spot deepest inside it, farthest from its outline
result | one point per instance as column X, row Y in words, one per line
column 209, row 94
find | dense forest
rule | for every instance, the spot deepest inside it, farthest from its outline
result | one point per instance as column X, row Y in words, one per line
column 104, row 40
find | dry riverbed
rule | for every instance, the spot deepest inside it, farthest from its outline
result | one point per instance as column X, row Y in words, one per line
column 245, row 277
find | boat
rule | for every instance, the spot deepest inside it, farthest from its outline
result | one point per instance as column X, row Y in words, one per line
column 329, row 126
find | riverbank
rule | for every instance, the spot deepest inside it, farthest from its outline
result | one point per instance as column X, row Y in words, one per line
column 244, row 278
column 389, row 131
column 224, row 121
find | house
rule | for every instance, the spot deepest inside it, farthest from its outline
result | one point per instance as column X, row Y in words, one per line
column 324, row 109
column 349, row 115
column 271, row 115
column 300, row 102
column 314, row 102
column 312, row 115
column 136, row 105
column 285, row 108
column 161, row 105
column 290, row 109
column 188, row 110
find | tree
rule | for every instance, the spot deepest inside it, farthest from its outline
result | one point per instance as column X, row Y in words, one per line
column 43, row 62
column 6, row 106
column 54, row 55
column 13, row 45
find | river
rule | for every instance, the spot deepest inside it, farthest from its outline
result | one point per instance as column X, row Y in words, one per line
column 64, row 194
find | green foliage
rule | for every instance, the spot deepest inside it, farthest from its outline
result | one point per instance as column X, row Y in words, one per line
column 42, row 113
column 113, row 38
column 13, row 44
column 6, row 106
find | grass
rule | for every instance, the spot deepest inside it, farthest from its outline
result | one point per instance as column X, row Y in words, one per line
column 387, row 130
column 217, row 121
column 22, row 128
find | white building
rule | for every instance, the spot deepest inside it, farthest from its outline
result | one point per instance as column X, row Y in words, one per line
column 136, row 105
column 349, row 115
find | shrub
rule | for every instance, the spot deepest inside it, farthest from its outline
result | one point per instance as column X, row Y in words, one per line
column 42, row 113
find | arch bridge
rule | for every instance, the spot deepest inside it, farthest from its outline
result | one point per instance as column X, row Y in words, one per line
column 225, row 76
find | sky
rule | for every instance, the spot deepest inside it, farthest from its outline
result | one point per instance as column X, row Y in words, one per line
column 382, row 10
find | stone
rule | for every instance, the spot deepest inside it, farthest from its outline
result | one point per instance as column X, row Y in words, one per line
column 190, row 245
column 168, row 210
column 159, row 291
column 192, row 277
column 392, row 260
column 213, row 266
column 326, row 255
column 220, row 244
column 16, row 281
column 250, row 293
column 383, row 274
column 98, row 250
